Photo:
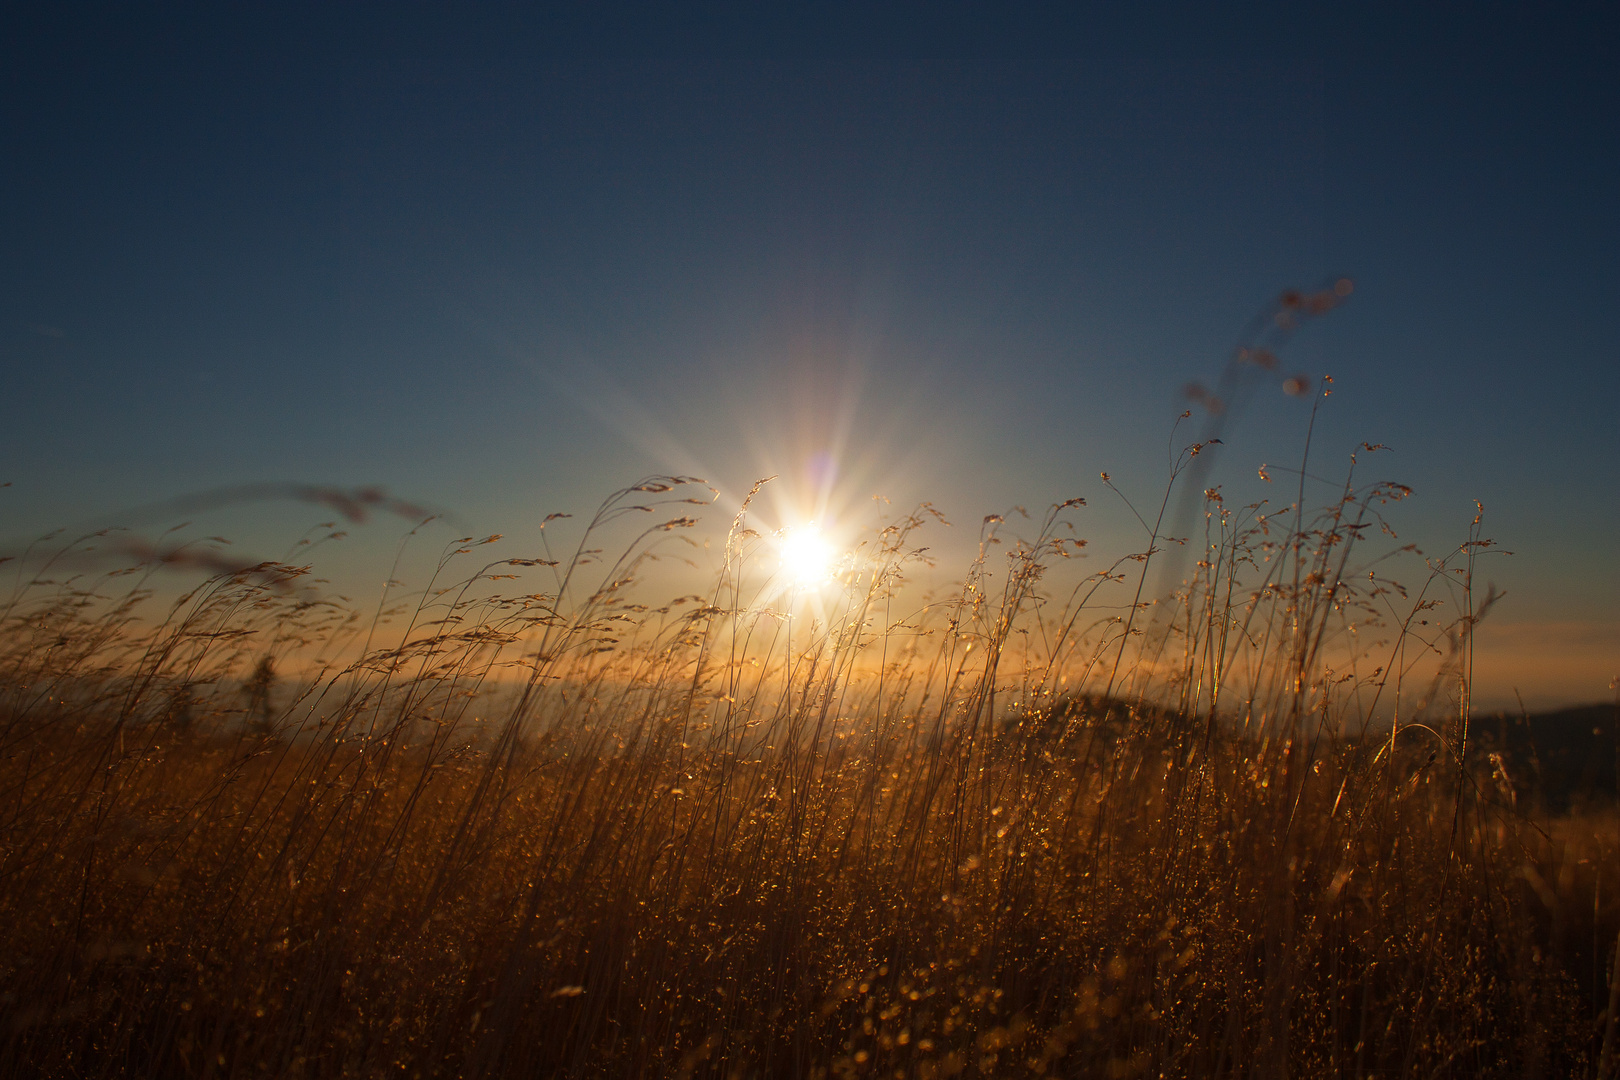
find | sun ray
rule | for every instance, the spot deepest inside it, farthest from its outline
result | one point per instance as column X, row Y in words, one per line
column 806, row 556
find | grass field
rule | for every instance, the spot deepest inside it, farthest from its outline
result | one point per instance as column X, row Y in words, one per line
column 1042, row 824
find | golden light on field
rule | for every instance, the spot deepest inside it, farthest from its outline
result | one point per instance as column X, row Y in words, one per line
column 807, row 556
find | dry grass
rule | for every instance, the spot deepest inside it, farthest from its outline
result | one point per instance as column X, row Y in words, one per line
column 1010, row 832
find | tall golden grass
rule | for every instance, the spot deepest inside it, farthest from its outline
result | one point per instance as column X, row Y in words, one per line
column 1038, row 826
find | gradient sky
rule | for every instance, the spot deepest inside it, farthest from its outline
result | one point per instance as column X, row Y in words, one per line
column 503, row 263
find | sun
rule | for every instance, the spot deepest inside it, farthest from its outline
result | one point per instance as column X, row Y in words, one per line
column 807, row 556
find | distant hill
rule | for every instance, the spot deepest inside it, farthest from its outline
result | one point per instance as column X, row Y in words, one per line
column 1563, row 758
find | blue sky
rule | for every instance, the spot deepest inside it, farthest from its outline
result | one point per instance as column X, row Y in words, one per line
column 502, row 262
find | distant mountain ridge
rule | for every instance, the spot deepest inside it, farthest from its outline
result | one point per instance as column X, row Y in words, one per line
column 1563, row 758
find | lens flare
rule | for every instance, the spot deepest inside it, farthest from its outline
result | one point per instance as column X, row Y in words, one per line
column 807, row 557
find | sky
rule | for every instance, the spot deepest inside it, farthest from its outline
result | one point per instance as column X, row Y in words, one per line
column 504, row 260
